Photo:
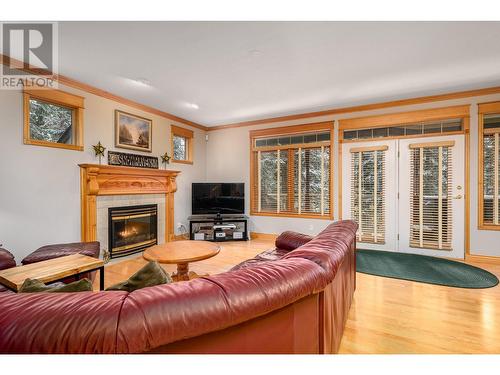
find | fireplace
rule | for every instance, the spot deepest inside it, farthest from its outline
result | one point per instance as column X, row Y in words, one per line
column 132, row 229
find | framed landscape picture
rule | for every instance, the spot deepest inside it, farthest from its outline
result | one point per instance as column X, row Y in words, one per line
column 133, row 132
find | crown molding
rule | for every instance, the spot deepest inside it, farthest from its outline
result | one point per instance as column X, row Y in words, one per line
column 365, row 107
column 5, row 60
column 335, row 111
column 400, row 118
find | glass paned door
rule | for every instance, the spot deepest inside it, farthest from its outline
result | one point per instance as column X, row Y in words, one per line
column 431, row 191
column 369, row 192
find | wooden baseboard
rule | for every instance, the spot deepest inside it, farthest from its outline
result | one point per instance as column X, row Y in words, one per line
column 253, row 236
column 482, row 259
column 263, row 236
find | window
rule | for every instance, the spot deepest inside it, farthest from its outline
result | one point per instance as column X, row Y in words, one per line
column 53, row 118
column 409, row 130
column 368, row 192
column 489, row 168
column 182, row 145
column 421, row 123
column 291, row 171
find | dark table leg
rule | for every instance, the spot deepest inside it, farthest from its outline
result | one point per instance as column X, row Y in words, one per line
column 101, row 278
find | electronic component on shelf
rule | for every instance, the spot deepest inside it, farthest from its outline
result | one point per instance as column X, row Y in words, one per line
column 224, row 226
column 199, row 236
column 218, row 228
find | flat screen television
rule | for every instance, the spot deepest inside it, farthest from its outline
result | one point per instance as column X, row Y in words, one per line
column 218, row 198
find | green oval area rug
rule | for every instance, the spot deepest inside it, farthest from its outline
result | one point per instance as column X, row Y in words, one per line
column 424, row 269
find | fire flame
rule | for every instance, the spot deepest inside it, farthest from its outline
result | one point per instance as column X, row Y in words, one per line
column 129, row 232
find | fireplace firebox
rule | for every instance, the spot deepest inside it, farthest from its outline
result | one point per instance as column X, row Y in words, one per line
column 132, row 229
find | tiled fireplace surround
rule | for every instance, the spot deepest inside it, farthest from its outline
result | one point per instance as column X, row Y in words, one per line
column 105, row 186
column 107, row 201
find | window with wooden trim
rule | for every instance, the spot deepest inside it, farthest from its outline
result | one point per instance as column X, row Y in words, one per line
column 489, row 166
column 53, row 118
column 414, row 124
column 406, row 130
column 291, row 171
column 368, row 192
column 431, row 195
column 181, row 145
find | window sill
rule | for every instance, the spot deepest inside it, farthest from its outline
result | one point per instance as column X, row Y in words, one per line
column 293, row 215
column 182, row 161
column 488, row 227
column 53, row 144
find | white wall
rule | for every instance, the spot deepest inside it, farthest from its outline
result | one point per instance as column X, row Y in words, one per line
column 39, row 186
column 228, row 159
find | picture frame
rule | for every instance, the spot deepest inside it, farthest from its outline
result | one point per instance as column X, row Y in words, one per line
column 133, row 132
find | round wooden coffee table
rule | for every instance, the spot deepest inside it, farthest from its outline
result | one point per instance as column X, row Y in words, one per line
column 182, row 253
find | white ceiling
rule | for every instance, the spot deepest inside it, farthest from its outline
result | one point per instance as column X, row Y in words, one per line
column 238, row 71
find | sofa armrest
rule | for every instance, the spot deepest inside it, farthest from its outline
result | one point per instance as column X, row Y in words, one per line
column 6, row 259
column 91, row 249
column 291, row 240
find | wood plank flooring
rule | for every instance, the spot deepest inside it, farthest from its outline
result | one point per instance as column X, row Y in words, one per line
column 398, row 316
column 387, row 315
column 231, row 254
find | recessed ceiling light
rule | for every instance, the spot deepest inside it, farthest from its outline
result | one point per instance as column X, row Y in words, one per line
column 192, row 105
column 255, row 52
column 142, row 81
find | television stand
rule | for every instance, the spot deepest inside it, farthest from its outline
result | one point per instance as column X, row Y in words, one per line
column 218, row 227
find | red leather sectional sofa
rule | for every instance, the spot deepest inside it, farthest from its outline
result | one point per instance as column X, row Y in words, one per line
column 293, row 299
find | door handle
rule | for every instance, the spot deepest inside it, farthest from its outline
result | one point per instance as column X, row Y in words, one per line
column 459, row 196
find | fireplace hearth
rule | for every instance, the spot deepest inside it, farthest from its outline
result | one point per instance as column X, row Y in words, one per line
column 132, row 229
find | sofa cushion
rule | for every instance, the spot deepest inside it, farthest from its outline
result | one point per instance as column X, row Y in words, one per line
column 90, row 249
column 35, row 286
column 265, row 256
column 150, row 275
column 272, row 254
column 6, row 259
column 291, row 240
column 285, row 242
column 247, row 263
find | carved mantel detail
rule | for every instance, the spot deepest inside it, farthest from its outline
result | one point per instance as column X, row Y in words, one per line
column 112, row 180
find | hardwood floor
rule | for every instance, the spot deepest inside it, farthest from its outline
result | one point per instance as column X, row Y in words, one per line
column 231, row 254
column 387, row 315
column 398, row 316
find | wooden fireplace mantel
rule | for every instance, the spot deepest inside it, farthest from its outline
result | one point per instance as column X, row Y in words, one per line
column 98, row 179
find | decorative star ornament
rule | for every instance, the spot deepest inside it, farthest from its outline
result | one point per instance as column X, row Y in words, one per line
column 165, row 159
column 99, row 150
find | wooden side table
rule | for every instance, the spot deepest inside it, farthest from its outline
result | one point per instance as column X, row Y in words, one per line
column 182, row 253
column 52, row 270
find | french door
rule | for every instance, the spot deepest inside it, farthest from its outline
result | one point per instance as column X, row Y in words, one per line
column 407, row 195
column 431, row 187
column 369, row 195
